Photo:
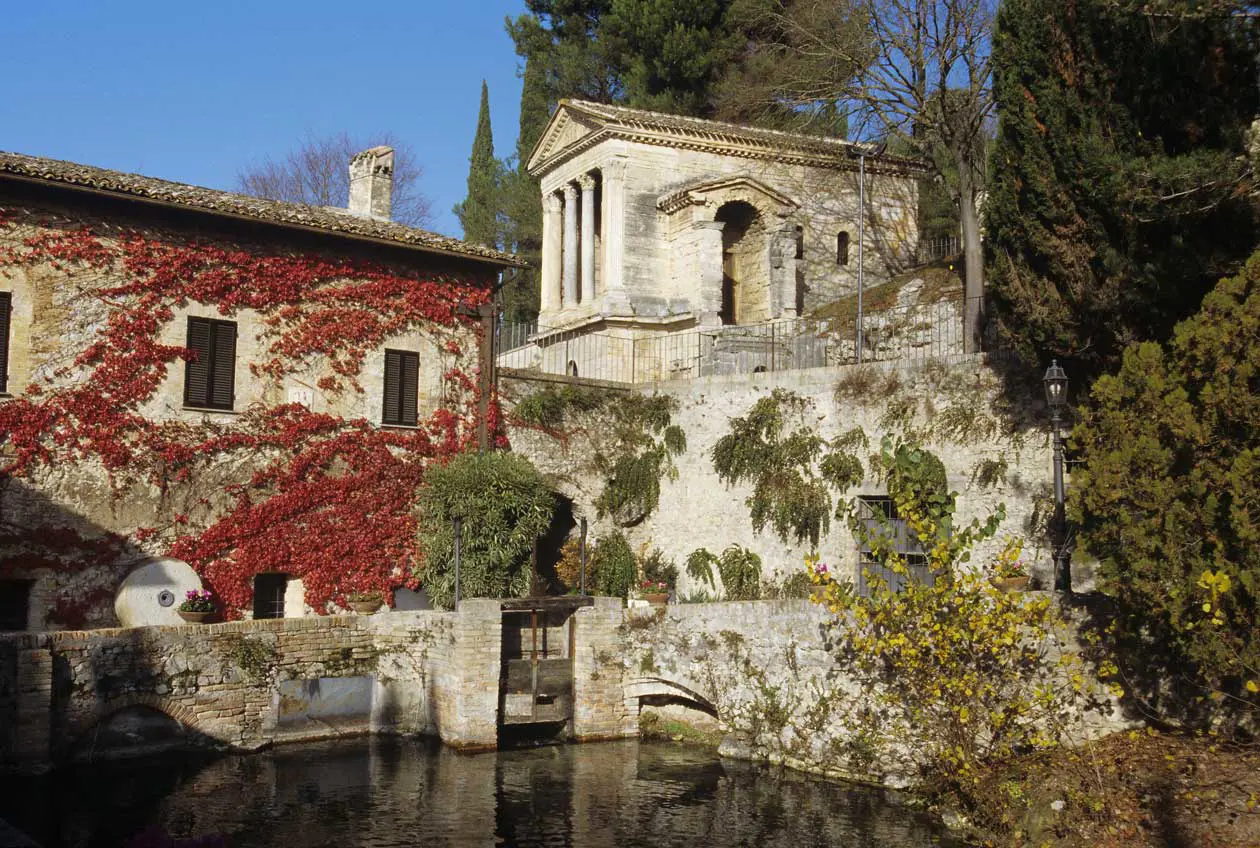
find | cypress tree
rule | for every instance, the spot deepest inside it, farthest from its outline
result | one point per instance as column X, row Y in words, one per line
column 1119, row 191
column 480, row 212
column 522, row 203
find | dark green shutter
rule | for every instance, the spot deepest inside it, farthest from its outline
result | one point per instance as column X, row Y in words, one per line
column 197, row 370
column 410, row 387
column 223, row 365
column 392, row 413
column 6, row 309
column 402, row 388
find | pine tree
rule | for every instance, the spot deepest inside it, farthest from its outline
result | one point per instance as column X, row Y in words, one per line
column 1119, row 191
column 480, row 212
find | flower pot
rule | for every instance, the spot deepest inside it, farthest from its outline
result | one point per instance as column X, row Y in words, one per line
column 196, row 617
column 657, row 599
column 1010, row 584
column 365, row 607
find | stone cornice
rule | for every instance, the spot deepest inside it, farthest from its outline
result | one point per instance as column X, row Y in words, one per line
column 704, row 136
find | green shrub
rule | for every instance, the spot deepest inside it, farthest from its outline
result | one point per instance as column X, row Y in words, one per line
column 613, row 568
column 1169, row 502
column 700, row 563
column 505, row 503
column 659, row 568
column 741, row 574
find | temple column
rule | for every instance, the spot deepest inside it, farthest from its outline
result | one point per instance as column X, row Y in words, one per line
column 706, row 248
column 613, row 221
column 570, row 246
column 587, row 182
column 553, row 226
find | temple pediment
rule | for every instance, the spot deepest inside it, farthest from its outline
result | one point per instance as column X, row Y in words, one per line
column 567, row 129
column 717, row 192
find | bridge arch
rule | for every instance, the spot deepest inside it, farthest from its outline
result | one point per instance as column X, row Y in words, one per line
column 659, row 691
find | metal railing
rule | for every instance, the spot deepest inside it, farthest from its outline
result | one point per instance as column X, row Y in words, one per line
column 635, row 356
column 930, row 250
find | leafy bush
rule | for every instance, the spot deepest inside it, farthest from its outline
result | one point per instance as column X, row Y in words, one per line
column 505, row 503
column 741, row 574
column 795, row 585
column 613, row 569
column 1169, row 502
column 700, row 564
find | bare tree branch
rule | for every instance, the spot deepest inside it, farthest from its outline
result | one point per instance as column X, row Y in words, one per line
column 317, row 173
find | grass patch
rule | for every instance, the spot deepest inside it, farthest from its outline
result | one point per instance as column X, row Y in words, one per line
column 942, row 280
column 654, row 728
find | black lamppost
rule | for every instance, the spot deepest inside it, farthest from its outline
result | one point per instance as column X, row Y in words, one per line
column 1056, row 382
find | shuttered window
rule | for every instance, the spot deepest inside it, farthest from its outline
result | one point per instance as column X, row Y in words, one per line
column 402, row 387
column 210, row 375
column 6, row 310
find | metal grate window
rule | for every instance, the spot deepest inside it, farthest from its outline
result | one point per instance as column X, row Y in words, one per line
column 269, row 595
column 878, row 514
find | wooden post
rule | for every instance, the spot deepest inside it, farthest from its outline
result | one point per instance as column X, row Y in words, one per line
column 488, row 379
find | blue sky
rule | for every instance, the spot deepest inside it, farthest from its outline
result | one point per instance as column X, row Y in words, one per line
column 194, row 91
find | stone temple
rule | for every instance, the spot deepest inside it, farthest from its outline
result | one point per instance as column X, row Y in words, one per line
column 656, row 224
column 679, row 220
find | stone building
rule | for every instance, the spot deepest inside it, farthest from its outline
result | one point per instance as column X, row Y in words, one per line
column 57, row 221
column 656, row 223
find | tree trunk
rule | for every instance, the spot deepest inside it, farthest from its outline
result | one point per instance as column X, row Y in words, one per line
column 973, row 259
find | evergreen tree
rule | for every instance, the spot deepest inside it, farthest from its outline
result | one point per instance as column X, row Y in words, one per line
column 480, row 212
column 522, row 199
column 1119, row 189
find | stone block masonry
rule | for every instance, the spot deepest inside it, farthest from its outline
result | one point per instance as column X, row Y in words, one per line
column 246, row 684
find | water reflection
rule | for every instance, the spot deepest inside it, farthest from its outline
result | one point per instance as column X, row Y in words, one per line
column 386, row 792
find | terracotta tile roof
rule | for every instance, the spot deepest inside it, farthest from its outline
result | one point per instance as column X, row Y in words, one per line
column 332, row 221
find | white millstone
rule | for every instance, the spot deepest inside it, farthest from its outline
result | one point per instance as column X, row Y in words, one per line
column 138, row 604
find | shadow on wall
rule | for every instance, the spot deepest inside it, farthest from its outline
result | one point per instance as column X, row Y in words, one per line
column 58, row 569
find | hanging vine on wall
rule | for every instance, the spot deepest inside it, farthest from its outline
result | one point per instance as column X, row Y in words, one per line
column 308, row 479
column 791, row 468
column 632, row 436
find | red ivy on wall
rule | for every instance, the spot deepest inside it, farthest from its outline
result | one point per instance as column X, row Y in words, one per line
column 317, row 496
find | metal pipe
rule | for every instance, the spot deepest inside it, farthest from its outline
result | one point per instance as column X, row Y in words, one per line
column 861, row 239
column 582, row 577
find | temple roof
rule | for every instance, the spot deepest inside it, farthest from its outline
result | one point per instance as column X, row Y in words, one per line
column 577, row 125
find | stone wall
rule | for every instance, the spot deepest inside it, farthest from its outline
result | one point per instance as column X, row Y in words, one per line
column 251, row 683
column 996, row 451
column 69, row 529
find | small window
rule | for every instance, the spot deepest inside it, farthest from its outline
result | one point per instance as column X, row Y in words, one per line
column 15, row 604
column 210, row 374
column 402, row 385
column 800, row 242
column 879, row 515
column 571, row 370
column 842, row 248
column 6, row 310
column 269, row 595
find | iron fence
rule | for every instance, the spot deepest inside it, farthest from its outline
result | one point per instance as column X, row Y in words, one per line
column 930, row 250
column 635, row 356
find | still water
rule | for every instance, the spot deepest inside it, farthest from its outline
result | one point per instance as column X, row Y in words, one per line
column 391, row 792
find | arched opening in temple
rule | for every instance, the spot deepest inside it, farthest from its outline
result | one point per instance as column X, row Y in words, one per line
column 745, row 266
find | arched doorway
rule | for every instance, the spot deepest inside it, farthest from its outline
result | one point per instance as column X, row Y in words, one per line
column 745, row 273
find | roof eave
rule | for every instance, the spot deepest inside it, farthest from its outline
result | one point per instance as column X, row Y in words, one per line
column 219, row 213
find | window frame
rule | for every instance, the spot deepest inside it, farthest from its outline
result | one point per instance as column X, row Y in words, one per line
column 843, row 242
column 212, row 365
column 401, row 419
column 278, row 583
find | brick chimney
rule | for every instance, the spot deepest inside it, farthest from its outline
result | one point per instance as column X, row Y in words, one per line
column 372, row 182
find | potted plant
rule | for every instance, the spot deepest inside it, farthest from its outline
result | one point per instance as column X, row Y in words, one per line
column 1010, row 573
column 364, row 603
column 198, row 606
column 655, row 592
